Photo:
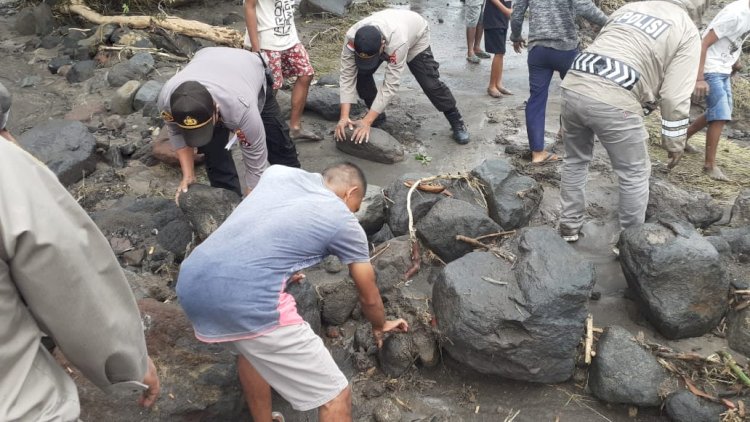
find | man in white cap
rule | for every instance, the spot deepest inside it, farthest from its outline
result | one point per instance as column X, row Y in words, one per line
column 645, row 57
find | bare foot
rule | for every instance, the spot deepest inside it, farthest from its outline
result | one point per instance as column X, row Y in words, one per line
column 543, row 157
column 494, row 93
column 689, row 149
column 715, row 173
column 503, row 90
column 303, row 135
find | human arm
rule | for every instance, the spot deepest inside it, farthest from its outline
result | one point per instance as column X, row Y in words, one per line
column 251, row 22
column 516, row 22
column 66, row 273
column 7, row 135
column 344, row 122
column 736, row 67
column 185, row 157
column 701, row 87
column 676, row 89
column 507, row 11
column 252, row 139
column 588, row 10
column 371, row 303
column 347, row 89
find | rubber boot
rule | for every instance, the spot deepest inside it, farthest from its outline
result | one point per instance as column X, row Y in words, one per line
column 460, row 133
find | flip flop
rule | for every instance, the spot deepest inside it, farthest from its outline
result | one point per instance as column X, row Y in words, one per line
column 494, row 93
column 304, row 135
column 482, row 54
column 473, row 60
column 550, row 158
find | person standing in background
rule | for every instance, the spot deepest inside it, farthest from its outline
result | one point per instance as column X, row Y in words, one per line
column 474, row 30
column 496, row 16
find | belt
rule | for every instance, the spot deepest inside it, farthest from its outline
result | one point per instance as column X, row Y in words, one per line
column 608, row 68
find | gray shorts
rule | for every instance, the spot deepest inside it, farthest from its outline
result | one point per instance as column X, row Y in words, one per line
column 294, row 361
column 473, row 12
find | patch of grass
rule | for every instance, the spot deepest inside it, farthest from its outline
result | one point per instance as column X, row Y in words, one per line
column 323, row 34
column 731, row 158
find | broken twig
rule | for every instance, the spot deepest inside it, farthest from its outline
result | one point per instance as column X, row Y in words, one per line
column 502, row 253
column 588, row 344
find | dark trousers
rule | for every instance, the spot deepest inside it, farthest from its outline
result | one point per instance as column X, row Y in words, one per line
column 220, row 167
column 543, row 62
column 425, row 71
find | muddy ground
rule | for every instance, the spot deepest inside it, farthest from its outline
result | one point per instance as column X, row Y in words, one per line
column 494, row 123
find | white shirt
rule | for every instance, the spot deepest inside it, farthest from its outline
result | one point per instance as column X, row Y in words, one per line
column 276, row 29
column 732, row 27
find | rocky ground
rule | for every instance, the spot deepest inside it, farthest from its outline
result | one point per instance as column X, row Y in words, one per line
column 497, row 333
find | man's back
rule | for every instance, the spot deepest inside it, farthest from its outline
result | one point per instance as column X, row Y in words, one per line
column 552, row 22
column 231, row 286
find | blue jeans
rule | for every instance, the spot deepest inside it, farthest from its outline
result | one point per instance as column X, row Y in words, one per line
column 543, row 62
column 719, row 101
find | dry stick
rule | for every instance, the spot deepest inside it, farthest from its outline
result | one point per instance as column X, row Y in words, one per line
column 380, row 251
column 415, row 253
column 497, row 251
column 498, row 234
column 589, row 339
column 730, row 362
column 149, row 50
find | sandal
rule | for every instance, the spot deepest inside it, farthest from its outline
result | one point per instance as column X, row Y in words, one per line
column 482, row 54
column 473, row 59
column 550, row 158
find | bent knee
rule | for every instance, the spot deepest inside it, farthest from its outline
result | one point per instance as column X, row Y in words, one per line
column 343, row 399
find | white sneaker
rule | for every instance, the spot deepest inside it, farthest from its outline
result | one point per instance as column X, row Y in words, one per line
column 570, row 238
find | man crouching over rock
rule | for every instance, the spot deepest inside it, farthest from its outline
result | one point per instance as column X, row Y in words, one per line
column 232, row 286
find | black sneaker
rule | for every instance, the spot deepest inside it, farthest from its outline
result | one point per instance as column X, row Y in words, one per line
column 461, row 134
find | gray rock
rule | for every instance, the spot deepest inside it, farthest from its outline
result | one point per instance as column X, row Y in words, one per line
column 737, row 238
column 741, row 209
column 331, row 79
column 326, row 102
column 151, row 111
column 50, row 41
column 115, row 159
column 25, row 23
column 339, row 299
column 332, row 264
column 142, row 63
column 684, row 406
column 387, row 411
column 66, row 147
column 426, row 348
column 623, row 372
column 697, row 208
column 337, row 7
column 207, row 207
column 449, row 218
column 396, row 356
column 175, row 237
column 371, row 214
column 720, row 243
column 677, row 277
column 119, row 74
column 131, row 37
column 391, row 265
column 58, row 62
column 147, row 93
column 81, row 71
column 134, row 257
column 738, row 333
column 308, row 305
column 381, row 148
column 104, row 32
column 122, row 101
column 114, row 122
column 383, row 235
column 120, row 245
column 43, row 19
column 30, row 81
column 528, row 329
column 512, row 199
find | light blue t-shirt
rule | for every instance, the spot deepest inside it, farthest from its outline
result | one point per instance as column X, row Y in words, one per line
column 232, row 285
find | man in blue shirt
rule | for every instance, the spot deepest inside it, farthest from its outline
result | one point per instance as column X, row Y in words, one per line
column 232, row 286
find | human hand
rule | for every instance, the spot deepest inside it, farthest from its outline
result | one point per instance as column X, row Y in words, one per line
column 674, row 159
column 183, row 188
column 519, row 45
column 148, row 398
column 341, row 127
column 701, row 89
column 361, row 132
column 399, row 325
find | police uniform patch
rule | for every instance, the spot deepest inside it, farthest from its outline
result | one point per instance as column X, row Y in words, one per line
column 652, row 26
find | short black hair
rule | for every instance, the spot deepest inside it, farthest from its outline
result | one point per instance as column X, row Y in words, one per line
column 346, row 173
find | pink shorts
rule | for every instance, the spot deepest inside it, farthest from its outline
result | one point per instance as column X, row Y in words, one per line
column 288, row 63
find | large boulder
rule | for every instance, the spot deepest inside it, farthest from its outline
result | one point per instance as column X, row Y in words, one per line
column 336, row 7
column 421, row 202
column 326, row 102
column 371, row 214
column 339, row 299
column 512, row 198
column 392, row 263
column 623, row 372
column 66, row 147
column 381, row 148
column 677, row 277
column 449, row 218
column 147, row 93
column 741, row 209
column 81, row 71
column 397, row 355
column 684, row 406
column 527, row 329
column 738, row 239
column 697, row 208
column 308, row 305
column 207, row 207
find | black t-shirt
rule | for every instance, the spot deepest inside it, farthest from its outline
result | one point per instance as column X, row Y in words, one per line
column 493, row 17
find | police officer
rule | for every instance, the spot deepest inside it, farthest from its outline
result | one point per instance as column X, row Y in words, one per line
column 225, row 90
column 646, row 56
column 402, row 39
